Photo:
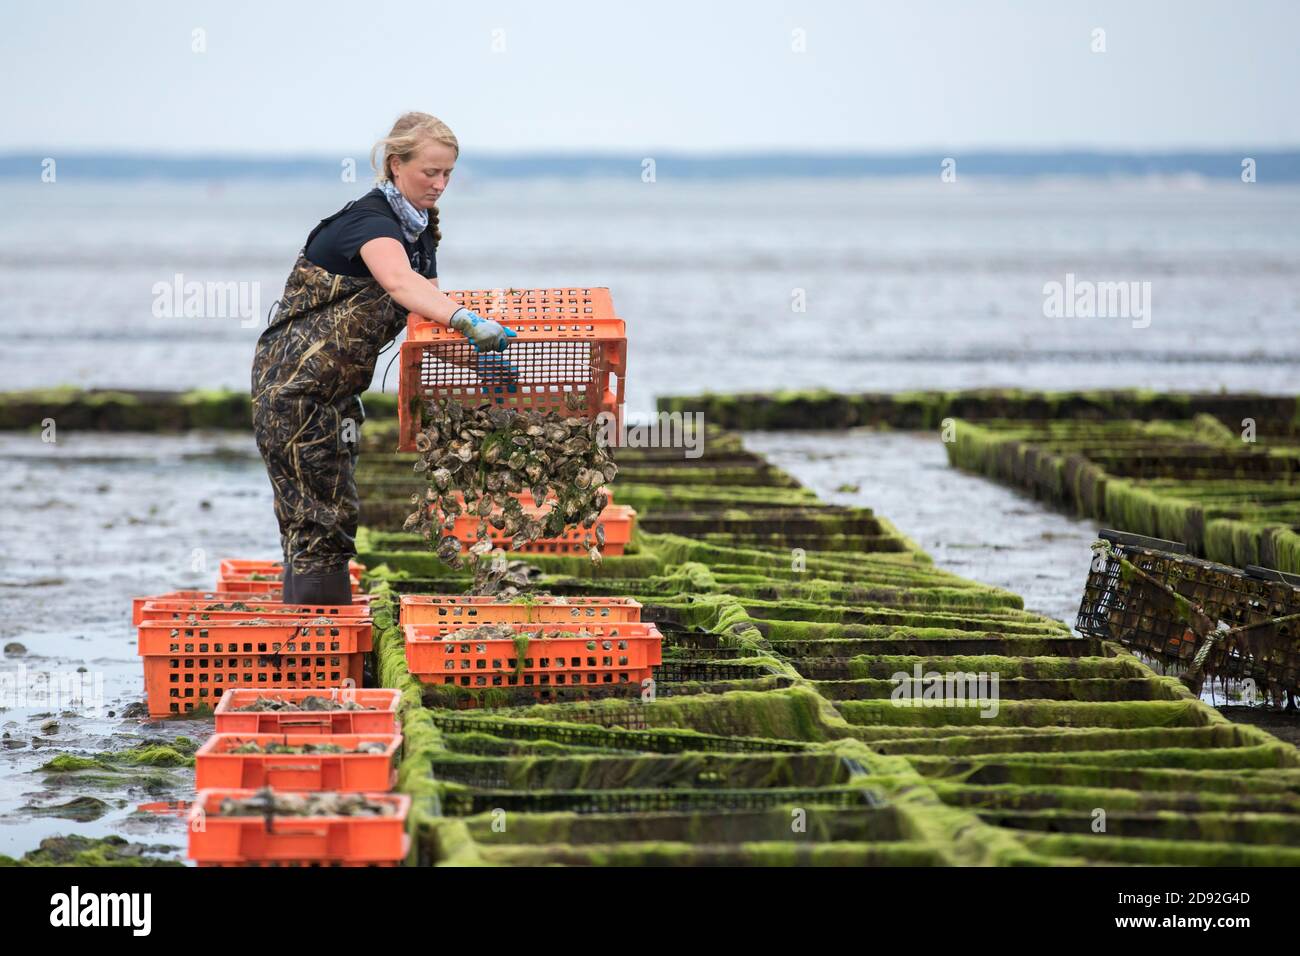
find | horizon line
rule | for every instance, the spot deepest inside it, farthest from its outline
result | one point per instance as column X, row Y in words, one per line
column 1274, row 165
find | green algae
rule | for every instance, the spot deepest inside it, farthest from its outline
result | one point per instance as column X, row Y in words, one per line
column 1020, row 713
column 783, row 853
column 74, row 850
column 697, row 770
column 1068, row 797
column 822, row 825
column 1024, row 741
column 154, row 756
column 1268, row 829
column 65, row 763
column 1109, row 849
column 1178, row 758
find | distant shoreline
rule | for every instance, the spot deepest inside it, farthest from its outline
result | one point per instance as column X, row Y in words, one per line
column 1271, row 166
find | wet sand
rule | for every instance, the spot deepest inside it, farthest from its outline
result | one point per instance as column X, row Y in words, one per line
column 91, row 522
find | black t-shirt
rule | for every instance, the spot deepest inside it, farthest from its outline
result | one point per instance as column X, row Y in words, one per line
column 335, row 244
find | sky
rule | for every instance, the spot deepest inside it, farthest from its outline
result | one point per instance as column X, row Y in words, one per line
column 322, row 77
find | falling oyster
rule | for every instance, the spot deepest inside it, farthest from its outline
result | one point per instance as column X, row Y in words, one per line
column 483, row 458
column 449, row 550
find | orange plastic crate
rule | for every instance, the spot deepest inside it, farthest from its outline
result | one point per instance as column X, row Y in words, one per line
column 188, row 666
column 201, row 598
column 216, row 766
column 380, row 718
column 474, row 609
column 196, row 612
column 255, row 841
column 619, row 522
column 300, row 636
column 567, row 340
column 180, row 683
column 436, row 652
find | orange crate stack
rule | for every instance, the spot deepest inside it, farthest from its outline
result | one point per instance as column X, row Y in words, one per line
column 585, row 655
column 470, row 610
column 377, row 716
column 241, row 642
column 216, row 764
column 567, row 340
column 217, row 840
column 194, row 653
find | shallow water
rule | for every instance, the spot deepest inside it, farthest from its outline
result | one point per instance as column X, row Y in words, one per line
column 906, row 284
column 969, row 525
column 91, row 522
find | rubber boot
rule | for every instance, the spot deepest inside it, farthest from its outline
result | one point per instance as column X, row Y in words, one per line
column 287, row 595
column 332, row 587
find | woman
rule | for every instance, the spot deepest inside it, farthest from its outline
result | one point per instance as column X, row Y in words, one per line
column 358, row 274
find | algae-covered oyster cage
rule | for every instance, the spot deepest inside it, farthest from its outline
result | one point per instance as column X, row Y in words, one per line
column 1207, row 618
column 482, row 463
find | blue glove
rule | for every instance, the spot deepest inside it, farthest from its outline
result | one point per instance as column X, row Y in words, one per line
column 497, row 375
column 486, row 335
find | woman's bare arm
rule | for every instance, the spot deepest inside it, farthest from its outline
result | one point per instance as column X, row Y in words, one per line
column 387, row 262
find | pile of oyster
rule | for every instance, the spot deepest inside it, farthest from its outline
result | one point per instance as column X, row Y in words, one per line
column 324, row 747
column 476, row 459
column 268, row 803
column 265, row 704
column 524, row 634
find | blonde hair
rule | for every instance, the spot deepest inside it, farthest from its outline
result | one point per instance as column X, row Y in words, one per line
column 409, row 133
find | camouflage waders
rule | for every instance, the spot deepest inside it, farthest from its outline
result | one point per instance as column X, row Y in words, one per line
column 311, row 365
